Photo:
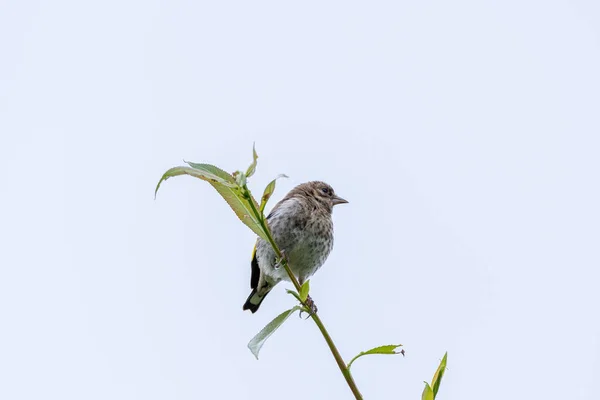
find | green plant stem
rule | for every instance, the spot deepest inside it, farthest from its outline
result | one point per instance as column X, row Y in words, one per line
column 338, row 358
column 336, row 354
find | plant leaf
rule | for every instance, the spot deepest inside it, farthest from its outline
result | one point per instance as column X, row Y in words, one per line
column 293, row 293
column 427, row 393
column 387, row 349
column 225, row 184
column 240, row 178
column 252, row 168
column 269, row 191
column 241, row 206
column 197, row 173
column 261, row 337
column 212, row 170
column 304, row 291
column 439, row 374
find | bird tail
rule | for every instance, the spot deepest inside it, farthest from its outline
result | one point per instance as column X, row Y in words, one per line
column 254, row 300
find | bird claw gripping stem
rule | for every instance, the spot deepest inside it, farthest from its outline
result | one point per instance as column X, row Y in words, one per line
column 282, row 260
column 312, row 307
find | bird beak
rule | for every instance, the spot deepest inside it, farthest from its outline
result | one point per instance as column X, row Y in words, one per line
column 338, row 200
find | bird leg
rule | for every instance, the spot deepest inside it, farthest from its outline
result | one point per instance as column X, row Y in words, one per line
column 280, row 261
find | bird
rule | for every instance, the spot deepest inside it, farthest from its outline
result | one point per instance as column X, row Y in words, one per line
column 302, row 228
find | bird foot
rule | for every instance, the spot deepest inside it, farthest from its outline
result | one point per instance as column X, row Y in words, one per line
column 280, row 261
column 311, row 305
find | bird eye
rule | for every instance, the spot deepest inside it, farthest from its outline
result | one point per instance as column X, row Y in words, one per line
column 325, row 190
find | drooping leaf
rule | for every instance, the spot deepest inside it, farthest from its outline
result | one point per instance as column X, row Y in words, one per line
column 197, row 173
column 386, row 349
column 252, row 168
column 211, row 169
column 304, row 291
column 261, row 337
column 427, row 393
column 439, row 374
column 226, row 186
column 269, row 191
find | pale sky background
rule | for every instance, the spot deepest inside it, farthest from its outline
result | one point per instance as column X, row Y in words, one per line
column 465, row 134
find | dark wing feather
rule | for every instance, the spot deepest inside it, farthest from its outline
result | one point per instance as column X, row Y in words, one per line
column 255, row 270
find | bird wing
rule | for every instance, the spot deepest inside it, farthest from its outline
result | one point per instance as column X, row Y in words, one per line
column 255, row 276
column 283, row 206
column 255, row 270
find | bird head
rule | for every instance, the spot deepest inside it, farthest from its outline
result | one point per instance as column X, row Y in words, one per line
column 324, row 194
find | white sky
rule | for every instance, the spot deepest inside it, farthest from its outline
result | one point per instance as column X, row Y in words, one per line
column 464, row 135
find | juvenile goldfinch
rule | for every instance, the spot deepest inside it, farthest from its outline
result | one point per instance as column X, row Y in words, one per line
column 302, row 228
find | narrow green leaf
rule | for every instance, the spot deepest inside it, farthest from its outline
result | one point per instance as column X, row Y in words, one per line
column 257, row 341
column 225, row 185
column 304, row 291
column 387, row 349
column 427, row 393
column 197, row 173
column 439, row 374
column 269, row 191
column 211, row 169
column 252, row 168
column 241, row 206
column 295, row 294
